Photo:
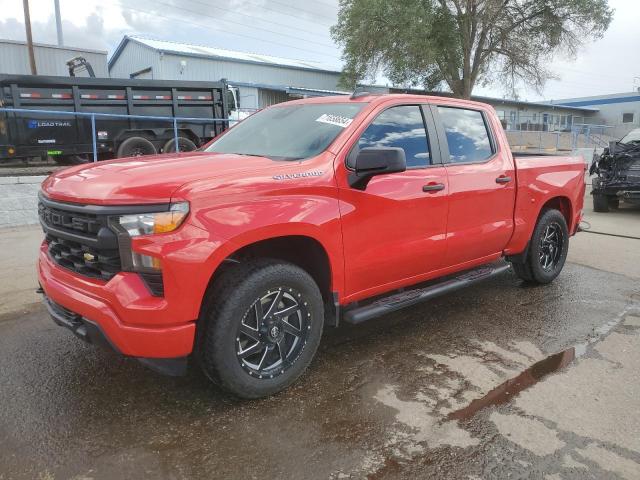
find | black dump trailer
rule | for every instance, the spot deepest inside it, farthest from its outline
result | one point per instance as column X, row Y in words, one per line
column 68, row 139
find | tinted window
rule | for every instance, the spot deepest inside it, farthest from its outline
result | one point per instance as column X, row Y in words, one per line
column 400, row 127
column 290, row 132
column 467, row 135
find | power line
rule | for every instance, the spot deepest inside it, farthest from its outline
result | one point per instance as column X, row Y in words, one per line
column 253, row 27
column 145, row 12
column 289, row 14
column 591, row 74
column 261, row 19
column 302, row 10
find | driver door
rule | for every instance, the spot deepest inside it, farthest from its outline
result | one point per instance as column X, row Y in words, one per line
column 394, row 231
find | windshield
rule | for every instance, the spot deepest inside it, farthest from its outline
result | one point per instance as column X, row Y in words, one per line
column 290, row 132
column 632, row 136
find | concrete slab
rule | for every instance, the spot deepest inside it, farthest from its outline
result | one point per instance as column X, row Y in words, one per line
column 622, row 221
column 612, row 254
column 18, row 281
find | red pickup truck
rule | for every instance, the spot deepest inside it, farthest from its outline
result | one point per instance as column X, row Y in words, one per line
column 305, row 214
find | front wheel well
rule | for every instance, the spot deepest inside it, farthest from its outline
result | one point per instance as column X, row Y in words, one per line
column 305, row 252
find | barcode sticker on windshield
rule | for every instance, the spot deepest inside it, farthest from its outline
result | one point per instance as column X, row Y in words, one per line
column 338, row 120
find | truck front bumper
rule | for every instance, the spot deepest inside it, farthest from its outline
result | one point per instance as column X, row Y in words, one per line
column 89, row 310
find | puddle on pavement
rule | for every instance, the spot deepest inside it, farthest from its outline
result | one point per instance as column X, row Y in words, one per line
column 512, row 387
column 504, row 392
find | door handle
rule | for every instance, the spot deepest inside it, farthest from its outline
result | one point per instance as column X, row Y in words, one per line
column 433, row 187
column 503, row 179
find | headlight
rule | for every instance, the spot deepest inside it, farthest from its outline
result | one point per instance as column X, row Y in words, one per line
column 160, row 222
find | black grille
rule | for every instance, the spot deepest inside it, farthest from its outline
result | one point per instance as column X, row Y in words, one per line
column 83, row 259
column 633, row 172
column 80, row 241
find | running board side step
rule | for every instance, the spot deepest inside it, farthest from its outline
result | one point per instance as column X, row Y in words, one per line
column 411, row 297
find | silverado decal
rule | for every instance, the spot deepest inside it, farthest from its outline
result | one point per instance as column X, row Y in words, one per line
column 291, row 176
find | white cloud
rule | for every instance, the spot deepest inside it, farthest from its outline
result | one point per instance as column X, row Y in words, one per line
column 300, row 30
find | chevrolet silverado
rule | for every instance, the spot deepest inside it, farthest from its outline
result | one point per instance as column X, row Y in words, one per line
column 308, row 213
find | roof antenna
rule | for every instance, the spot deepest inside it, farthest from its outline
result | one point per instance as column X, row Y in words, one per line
column 359, row 92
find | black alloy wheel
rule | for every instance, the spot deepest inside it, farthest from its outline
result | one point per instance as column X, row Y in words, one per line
column 272, row 333
column 547, row 251
column 260, row 327
column 551, row 243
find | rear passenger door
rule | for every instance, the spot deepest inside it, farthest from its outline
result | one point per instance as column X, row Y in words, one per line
column 481, row 184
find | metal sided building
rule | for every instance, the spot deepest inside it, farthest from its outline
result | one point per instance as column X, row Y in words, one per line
column 529, row 116
column 621, row 111
column 262, row 80
column 50, row 59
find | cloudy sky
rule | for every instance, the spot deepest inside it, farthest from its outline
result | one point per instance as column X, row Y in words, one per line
column 299, row 29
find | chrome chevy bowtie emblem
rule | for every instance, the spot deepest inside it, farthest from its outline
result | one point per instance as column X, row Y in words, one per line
column 88, row 257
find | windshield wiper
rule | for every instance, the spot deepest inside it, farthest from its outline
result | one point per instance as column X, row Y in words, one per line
column 270, row 157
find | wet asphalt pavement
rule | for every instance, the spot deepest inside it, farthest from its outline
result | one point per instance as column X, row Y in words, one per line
column 460, row 387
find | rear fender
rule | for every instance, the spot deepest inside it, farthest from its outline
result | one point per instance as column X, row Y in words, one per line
column 545, row 186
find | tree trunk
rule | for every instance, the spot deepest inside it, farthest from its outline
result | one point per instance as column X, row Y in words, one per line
column 467, row 87
column 462, row 88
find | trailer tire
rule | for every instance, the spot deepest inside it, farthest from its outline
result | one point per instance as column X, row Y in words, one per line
column 600, row 203
column 185, row 144
column 135, row 147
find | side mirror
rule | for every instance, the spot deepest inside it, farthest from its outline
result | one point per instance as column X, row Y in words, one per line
column 372, row 161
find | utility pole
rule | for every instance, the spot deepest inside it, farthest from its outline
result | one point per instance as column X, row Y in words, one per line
column 27, row 26
column 56, row 4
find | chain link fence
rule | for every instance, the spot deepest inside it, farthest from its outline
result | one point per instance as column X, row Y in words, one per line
column 558, row 133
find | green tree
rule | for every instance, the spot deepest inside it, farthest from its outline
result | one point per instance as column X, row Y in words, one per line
column 460, row 43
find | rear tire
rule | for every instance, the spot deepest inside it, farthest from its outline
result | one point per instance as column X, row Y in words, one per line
column 185, row 144
column 600, row 203
column 135, row 147
column 247, row 344
column 547, row 249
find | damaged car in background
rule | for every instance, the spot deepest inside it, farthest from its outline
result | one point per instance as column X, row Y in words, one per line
column 618, row 173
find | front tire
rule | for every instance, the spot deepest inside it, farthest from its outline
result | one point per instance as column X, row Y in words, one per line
column 547, row 249
column 261, row 326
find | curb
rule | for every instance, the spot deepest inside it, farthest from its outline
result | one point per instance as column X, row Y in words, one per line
column 26, row 180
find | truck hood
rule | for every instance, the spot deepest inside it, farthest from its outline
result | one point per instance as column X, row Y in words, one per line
column 150, row 179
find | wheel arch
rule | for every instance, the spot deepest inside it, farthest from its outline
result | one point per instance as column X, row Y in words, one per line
column 301, row 250
column 563, row 205
column 559, row 202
